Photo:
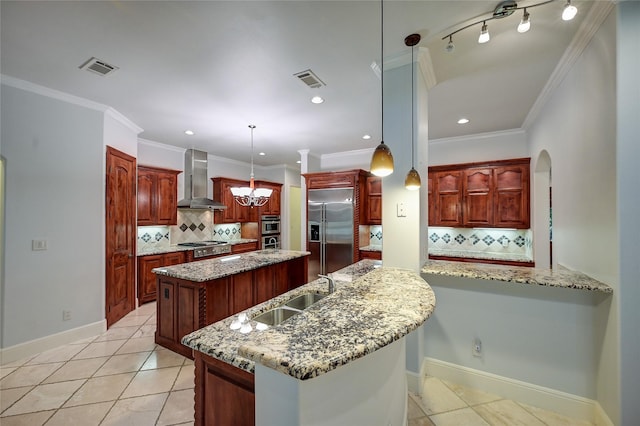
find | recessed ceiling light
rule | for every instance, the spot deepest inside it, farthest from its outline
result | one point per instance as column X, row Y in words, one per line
column 189, row 132
column 262, row 153
column 366, row 137
column 298, row 162
column 463, row 121
column 317, row 100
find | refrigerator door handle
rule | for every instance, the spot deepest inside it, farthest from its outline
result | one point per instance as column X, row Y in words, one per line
column 323, row 238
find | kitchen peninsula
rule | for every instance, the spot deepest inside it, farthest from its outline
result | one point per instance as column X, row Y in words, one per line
column 193, row 295
column 339, row 361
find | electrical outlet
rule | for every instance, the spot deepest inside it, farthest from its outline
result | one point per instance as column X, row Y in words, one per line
column 401, row 210
column 37, row 245
column 476, row 347
column 66, row 315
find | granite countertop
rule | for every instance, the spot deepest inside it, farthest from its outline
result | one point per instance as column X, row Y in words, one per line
column 172, row 248
column 370, row 308
column 557, row 277
column 481, row 255
column 211, row 269
column 371, row 248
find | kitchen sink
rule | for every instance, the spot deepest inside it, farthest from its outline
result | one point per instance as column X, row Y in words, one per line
column 276, row 316
column 304, row 300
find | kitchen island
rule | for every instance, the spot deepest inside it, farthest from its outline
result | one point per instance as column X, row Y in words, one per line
column 339, row 361
column 193, row 295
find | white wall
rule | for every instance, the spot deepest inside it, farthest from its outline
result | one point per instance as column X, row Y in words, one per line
column 54, row 191
column 628, row 176
column 548, row 337
column 481, row 147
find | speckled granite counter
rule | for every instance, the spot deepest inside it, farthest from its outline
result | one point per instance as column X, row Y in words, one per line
column 371, row 308
column 558, row 277
column 173, row 248
column 211, row 269
column 513, row 257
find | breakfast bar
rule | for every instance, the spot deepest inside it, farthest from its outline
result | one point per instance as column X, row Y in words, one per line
column 347, row 346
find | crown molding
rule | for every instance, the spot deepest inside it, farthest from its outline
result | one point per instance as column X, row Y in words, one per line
column 477, row 136
column 161, row 145
column 355, row 152
column 51, row 93
column 123, row 120
column 589, row 26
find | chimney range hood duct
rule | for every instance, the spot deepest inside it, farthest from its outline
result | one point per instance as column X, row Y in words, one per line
column 195, row 182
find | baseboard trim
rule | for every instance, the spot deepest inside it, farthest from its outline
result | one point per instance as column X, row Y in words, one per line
column 546, row 398
column 33, row 347
column 601, row 418
column 414, row 382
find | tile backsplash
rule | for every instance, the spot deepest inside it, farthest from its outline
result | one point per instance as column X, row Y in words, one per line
column 375, row 235
column 506, row 244
column 193, row 225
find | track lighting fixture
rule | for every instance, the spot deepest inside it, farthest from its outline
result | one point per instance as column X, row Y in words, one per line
column 525, row 23
column 504, row 9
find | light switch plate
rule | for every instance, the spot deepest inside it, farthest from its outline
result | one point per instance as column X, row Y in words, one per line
column 38, row 245
column 402, row 212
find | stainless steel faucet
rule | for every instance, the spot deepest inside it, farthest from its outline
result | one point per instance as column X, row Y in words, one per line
column 332, row 285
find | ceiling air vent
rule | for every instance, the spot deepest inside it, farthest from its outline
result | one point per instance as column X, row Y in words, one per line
column 310, row 79
column 97, row 66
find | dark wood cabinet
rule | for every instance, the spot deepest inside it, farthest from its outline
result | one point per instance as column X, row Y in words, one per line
column 147, row 280
column 185, row 306
column 237, row 213
column 512, row 196
column 478, row 197
column 448, row 198
column 373, row 215
column 244, row 247
column 224, row 394
column 492, row 194
column 273, row 205
column 157, row 196
column 367, row 254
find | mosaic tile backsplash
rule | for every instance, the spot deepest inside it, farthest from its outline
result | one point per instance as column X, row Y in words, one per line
column 375, row 235
column 193, row 225
column 508, row 244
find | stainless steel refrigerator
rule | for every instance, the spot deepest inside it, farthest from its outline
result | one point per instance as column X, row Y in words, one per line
column 329, row 230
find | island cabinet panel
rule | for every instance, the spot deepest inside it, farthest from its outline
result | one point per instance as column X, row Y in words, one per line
column 477, row 197
column 185, row 306
column 147, row 279
column 224, row 394
column 157, row 196
column 242, row 291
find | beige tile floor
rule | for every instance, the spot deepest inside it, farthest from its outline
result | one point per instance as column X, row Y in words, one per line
column 123, row 378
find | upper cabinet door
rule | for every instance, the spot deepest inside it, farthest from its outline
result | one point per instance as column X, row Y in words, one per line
column 478, row 197
column 448, row 191
column 512, row 196
column 157, row 196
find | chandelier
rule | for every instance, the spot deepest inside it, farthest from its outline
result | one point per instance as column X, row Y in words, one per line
column 250, row 196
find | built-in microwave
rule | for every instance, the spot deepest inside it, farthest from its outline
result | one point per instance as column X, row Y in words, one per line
column 271, row 242
column 270, row 225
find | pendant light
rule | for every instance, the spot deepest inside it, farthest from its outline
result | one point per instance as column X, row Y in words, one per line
column 412, row 181
column 382, row 160
column 251, row 196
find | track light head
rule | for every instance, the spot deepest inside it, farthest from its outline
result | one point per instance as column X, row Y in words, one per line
column 525, row 23
column 450, row 46
column 484, row 34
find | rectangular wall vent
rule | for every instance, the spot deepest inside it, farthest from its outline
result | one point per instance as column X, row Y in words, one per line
column 310, row 79
column 99, row 67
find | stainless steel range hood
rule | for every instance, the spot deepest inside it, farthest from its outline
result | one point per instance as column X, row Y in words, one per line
column 196, row 182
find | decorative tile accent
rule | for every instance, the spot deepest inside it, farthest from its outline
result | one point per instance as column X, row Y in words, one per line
column 375, row 235
column 227, row 231
column 488, row 240
column 193, row 225
column 506, row 244
column 153, row 237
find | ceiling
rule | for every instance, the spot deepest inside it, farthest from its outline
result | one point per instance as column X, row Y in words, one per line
column 217, row 66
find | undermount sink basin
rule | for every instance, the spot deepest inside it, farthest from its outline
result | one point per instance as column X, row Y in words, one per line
column 304, row 300
column 276, row 316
